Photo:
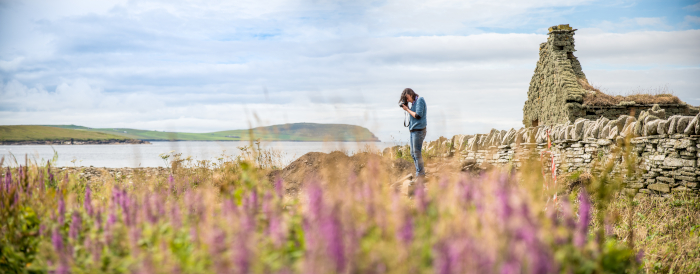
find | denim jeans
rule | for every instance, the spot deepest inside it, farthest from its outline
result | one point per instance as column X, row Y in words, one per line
column 417, row 138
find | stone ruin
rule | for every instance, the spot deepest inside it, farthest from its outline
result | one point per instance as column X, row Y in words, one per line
column 663, row 140
column 666, row 150
column 559, row 86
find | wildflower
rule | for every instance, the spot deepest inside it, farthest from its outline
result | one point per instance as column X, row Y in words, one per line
column 8, row 180
column 331, row 230
column 75, row 225
column 61, row 208
column 241, row 254
column 584, row 219
column 56, row 240
column 405, row 233
column 640, row 256
column 421, row 198
column 279, row 187
column 88, row 201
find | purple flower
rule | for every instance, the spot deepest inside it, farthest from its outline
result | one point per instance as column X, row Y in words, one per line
column 331, row 229
column 443, row 263
column 405, row 233
column 217, row 247
column 8, row 180
column 88, row 201
column 241, row 254
column 279, row 187
column 315, row 195
column 61, row 208
column 75, row 225
column 56, row 240
column 421, row 197
column 640, row 256
column 175, row 216
column 171, row 180
column 584, row 214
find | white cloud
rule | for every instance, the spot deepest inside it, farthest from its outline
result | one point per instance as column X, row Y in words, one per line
column 217, row 65
column 693, row 7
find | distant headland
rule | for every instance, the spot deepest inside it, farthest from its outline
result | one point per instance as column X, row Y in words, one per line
column 76, row 135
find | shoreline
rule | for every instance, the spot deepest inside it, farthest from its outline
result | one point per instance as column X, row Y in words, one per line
column 76, row 142
column 148, row 142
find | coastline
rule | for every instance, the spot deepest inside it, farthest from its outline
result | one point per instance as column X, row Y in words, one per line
column 148, row 142
column 76, row 142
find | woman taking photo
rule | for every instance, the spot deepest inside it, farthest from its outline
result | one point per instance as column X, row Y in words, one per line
column 417, row 126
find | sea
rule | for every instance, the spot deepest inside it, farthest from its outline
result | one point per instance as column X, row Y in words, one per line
column 150, row 155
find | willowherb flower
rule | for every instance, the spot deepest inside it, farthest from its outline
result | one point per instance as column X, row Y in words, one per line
column 315, row 196
column 61, row 208
column 584, row 214
column 405, row 232
column 640, row 256
column 56, row 240
column 217, row 248
column 421, row 197
column 331, row 228
column 443, row 262
column 8, row 180
column 279, row 187
column 75, row 225
column 242, row 254
column 88, row 201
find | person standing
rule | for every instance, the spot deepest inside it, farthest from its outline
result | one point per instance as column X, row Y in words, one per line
column 417, row 126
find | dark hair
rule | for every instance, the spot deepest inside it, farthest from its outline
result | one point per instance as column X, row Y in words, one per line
column 408, row 91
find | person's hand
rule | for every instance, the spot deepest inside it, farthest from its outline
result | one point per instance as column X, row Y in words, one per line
column 405, row 107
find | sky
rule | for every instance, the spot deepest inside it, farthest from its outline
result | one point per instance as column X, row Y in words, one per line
column 203, row 66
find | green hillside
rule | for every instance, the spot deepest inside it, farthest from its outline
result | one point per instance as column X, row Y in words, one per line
column 287, row 132
column 48, row 133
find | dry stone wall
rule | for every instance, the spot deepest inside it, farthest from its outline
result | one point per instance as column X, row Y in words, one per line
column 666, row 150
column 555, row 94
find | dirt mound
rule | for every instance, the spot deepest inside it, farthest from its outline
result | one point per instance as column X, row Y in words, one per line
column 337, row 167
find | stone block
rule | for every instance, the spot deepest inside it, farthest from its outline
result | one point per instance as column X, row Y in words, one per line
column 678, row 162
column 665, row 179
column 640, row 196
column 691, row 184
column 664, row 188
column 635, row 185
column 687, row 178
column 645, row 191
column 680, row 189
column 629, row 191
column 684, row 143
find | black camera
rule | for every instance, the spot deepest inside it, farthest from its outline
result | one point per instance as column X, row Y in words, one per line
column 403, row 103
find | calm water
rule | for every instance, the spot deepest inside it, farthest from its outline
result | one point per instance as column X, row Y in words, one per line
column 148, row 155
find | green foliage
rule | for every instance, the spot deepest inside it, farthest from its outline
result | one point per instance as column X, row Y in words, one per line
column 44, row 133
column 287, row 132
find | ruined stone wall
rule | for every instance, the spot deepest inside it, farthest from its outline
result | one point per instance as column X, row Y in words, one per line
column 555, row 95
column 666, row 151
column 634, row 110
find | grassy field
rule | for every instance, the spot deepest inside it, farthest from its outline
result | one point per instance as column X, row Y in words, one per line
column 232, row 216
column 44, row 133
column 287, row 132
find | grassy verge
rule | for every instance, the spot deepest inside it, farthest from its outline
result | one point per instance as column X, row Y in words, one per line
column 45, row 133
column 230, row 216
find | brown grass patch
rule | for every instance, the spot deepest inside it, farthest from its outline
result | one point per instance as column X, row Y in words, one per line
column 595, row 97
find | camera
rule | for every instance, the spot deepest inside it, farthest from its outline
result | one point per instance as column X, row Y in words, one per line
column 401, row 104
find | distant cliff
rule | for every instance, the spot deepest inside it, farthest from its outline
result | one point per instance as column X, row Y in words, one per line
column 298, row 132
column 45, row 135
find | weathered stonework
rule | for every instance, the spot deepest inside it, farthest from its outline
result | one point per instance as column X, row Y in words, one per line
column 666, row 163
column 555, row 96
column 556, row 93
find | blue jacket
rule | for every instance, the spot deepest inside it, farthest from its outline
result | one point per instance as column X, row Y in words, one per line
column 421, row 110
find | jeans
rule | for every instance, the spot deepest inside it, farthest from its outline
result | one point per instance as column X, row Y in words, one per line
column 417, row 138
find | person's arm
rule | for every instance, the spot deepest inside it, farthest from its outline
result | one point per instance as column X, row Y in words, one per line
column 410, row 112
column 420, row 108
